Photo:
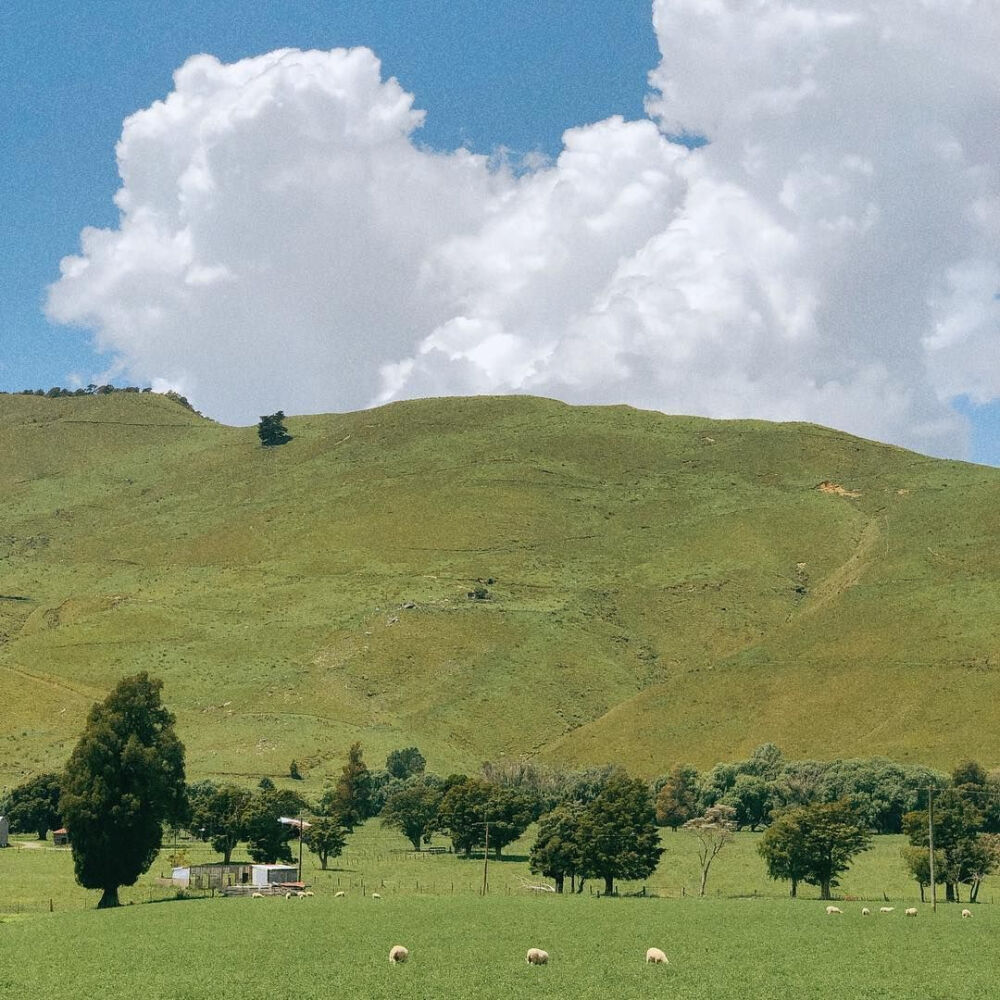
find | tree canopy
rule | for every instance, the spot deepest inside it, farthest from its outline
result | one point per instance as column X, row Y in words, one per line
column 271, row 430
column 814, row 844
column 33, row 807
column 413, row 810
column 556, row 851
column 124, row 779
column 325, row 838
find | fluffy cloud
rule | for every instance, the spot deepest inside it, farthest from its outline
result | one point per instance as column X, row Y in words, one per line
column 831, row 254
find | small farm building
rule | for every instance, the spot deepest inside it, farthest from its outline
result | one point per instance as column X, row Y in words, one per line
column 60, row 837
column 274, row 874
column 217, row 875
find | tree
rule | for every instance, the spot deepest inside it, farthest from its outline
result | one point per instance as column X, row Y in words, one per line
column 814, row 844
column 34, row 806
column 124, row 778
column 712, row 831
column 351, row 800
column 918, row 862
column 405, row 763
column 462, row 813
column 556, row 850
column 957, row 822
column 618, row 835
column 677, row 801
column 267, row 839
column 325, row 838
column 221, row 814
column 750, row 798
column 413, row 811
column 271, row 430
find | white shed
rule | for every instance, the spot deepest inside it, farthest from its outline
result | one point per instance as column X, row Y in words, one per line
column 271, row 874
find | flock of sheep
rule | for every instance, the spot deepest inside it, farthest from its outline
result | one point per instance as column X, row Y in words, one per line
column 910, row 911
column 535, row 956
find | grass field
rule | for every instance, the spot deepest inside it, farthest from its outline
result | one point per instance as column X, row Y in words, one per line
column 470, row 947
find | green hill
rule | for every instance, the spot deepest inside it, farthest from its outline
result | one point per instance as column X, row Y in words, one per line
column 665, row 588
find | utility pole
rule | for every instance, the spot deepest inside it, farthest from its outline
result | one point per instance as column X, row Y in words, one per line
column 486, row 850
column 930, row 838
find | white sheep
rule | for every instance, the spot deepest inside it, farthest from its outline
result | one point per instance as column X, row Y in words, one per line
column 300, row 895
column 966, row 914
column 656, row 957
column 375, row 895
column 536, row 956
column 339, row 894
column 833, row 909
column 308, row 892
column 288, row 895
column 910, row 911
column 256, row 895
column 886, row 909
column 397, row 954
column 865, row 912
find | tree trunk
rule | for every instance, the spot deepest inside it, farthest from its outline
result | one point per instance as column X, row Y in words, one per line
column 498, row 853
column 795, row 888
column 921, row 892
column 323, row 858
column 41, row 834
column 572, row 883
column 559, row 883
column 974, row 891
column 416, row 842
column 579, row 888
column 824, row 889
column 704, row 881
column 949, row 892
column 109, row 898
column 609, row 885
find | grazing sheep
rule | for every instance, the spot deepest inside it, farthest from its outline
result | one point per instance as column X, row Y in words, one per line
column 536, row 956
column 375, row 895
column 886, row 909
column 966, row 914
column 288, row 895
column 910, row 911
column 339, row 895
column 656, row 957
column 256, row 895
column 308, row 892
column 397, row 954
column 833, row 909
column 865, row 912
column 300, row 895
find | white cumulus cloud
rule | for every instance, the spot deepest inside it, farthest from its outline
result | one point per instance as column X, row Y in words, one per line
column 831, row 254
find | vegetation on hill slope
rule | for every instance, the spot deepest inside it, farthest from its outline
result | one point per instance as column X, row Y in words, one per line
column 664, row 588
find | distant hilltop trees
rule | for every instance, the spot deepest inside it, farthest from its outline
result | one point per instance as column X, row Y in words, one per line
column 57, row 392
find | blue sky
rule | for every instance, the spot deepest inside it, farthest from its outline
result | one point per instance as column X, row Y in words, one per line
column 514, row 74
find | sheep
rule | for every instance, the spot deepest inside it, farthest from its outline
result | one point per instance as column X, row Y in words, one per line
column 288, row 895
column 886, row 909
column 308, row 892
column 910, row 911
column 340, row 894
column 966, row 914
column 536, row 956
column 833, row 909
column 865, row 912
column 256, row 895
column 397, row 954
column 656, row 957
column 375, row 895
column 300, row 895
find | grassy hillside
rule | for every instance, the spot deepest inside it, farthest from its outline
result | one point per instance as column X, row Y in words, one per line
column 665, row 588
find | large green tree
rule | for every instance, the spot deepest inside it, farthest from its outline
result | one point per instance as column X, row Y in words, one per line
column 124, row 779
column 618, row 837
column 221, row 814
column 814, row 844
column 34, row 806
column 556, row 850
column 267, row 838
column 405, row 763
column 325, row 838
column 413, row 811
column 271, row 429
column 472, row 803
column 351, row 800
column 677, row 800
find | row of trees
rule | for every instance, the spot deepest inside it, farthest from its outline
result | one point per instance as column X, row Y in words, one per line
column 58, row 392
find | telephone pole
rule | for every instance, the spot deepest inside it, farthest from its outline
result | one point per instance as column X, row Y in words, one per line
column 930, row 839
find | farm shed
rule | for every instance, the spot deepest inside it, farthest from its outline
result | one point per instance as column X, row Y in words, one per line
column 60, row 837
column 215, row 875
column 4, row 831
column 274, row 874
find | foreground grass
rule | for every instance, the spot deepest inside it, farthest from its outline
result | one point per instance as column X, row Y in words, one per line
column 469, row 947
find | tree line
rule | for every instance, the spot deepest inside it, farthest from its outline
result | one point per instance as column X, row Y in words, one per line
column 125, row 782
column 58, row 392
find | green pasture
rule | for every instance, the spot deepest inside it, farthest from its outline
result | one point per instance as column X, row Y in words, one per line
column 378, row 860
column 473, row 947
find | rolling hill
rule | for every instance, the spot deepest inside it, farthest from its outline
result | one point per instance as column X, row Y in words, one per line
column 663, row 588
